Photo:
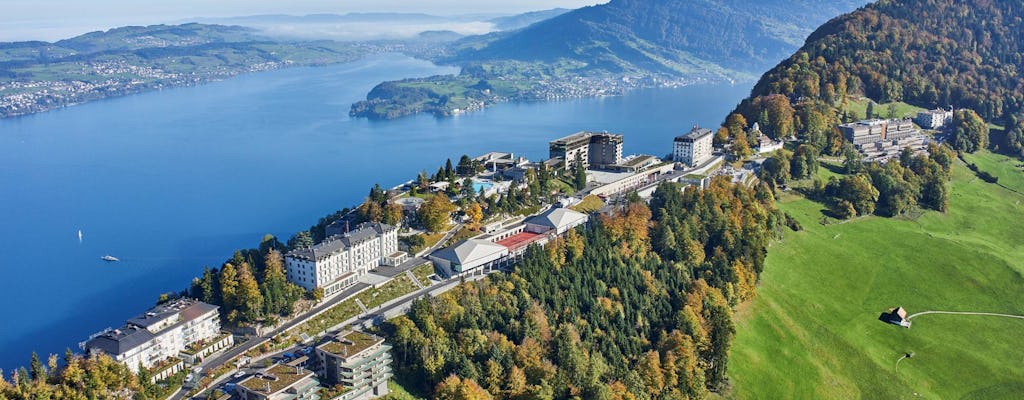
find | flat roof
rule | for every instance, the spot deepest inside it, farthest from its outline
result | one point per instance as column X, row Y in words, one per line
column 279, row 377
column 520, row 240
column 351, row 344
column 584, row 135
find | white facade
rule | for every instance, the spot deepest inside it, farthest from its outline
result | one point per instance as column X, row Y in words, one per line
column 934, row 119
column 338, row 262
column 693, row 148
column 159, row 334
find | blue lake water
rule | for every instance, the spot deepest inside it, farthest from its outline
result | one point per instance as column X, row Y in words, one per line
column 174, row 180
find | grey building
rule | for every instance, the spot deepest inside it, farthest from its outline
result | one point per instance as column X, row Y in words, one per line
column 359, row 362
column 594, row 149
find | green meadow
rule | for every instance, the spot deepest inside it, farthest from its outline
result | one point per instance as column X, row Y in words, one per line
column 813, row 331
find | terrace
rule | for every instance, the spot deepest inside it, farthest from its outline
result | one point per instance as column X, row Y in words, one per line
column 275, row 379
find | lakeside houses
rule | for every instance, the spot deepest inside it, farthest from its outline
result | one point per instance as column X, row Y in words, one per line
column 882, row 139
column 337, row 263
column 280, row 382
column 358, row 362
column 934, row 119
column 156, row 338
column 592, row 149
column 694, row 147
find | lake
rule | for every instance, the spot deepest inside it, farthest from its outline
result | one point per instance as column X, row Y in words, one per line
column 174, row 180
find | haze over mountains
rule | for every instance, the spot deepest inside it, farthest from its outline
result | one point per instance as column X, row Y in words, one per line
column 663, row 36
column 381, row 26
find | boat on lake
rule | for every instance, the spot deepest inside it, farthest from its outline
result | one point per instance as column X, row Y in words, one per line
column 110, row 258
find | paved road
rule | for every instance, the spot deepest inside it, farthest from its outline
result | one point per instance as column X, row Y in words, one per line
column 217, row 361
column 375, row 316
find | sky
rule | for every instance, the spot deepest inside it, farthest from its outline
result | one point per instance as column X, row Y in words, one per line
column 57, row 19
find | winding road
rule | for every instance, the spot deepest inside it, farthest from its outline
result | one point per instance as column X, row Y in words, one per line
column 964, row 313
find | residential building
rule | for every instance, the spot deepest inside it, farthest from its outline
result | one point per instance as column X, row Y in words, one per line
column 934, row 119
column 556, row 220
column 874, row 130
column 693, row 148
column 337, row 262
column 767, row 145
column 469, row 255
column 160, row 334
column 882, row 139
column 359, row 362
column 280, row 382
column 593, row 149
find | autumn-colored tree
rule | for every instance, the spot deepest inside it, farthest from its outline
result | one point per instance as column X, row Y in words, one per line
column 435, row 213
column 455, row 388
column 250, row 300
column 370, row 211
column 475, row 214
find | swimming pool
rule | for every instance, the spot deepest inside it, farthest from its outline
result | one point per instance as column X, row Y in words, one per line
column 477, row 186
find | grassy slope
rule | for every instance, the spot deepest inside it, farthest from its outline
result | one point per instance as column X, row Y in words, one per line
column 813, row 330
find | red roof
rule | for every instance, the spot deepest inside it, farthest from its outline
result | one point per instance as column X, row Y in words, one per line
column 520, row 240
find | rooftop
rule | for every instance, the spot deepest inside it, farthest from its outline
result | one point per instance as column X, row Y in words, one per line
column 694, row 134
column 351, row 344
column 583, row 135
column 135, row 332
column 469, row 250
column 337, row 243
column 276, row 378
column 520, row 240
column 557, row 217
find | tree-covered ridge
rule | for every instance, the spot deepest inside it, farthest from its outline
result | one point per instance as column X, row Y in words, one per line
column 78, row 378
column 664, row 36
column 930, row 53
column 634, row 306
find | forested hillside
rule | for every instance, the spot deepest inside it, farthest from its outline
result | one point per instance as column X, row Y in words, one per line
column 638, row 305
column 929, row 53
column 664, row 36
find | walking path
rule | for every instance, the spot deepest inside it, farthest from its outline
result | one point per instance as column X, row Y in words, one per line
column 965, row 313
column 413, row 279
column 360, row 304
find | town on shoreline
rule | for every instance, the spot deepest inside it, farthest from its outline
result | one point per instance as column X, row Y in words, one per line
column 364, row 271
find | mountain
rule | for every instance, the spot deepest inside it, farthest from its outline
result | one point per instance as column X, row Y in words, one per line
column 623, row 35
column 513, row 22
column 928, row 53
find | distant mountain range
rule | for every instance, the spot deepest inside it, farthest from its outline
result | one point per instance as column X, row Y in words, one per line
column 381, row 26
column 662, row 36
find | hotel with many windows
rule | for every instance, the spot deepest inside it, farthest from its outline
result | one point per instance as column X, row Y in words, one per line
column 339, row 261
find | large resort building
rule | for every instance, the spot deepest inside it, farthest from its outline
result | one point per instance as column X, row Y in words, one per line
column 338, row 262
column 882, row 139
column 593, row 149
column 358, row 362
column 182, row 326
column 693, row 148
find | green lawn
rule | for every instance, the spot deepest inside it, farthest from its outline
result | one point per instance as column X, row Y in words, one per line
column 813, row 330
column 859, row 108
column 589, row 204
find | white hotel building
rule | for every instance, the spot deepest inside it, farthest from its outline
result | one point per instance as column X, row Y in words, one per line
column 161, row 333
column 693, row 148
column 337, row 262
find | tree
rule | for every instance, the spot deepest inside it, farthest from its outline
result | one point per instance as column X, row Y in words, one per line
column 969, row 131
column 301, row 240
column 393, row 214
column 740, row 146
column 579, row 173
column 858, row 190
column 449, row 173
column 454, row 388
column 435, row 213
column 36, row 369
column 870, row 113
column 475, row 214
column 370, row 211
column 250, row 300
column 229, row 288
